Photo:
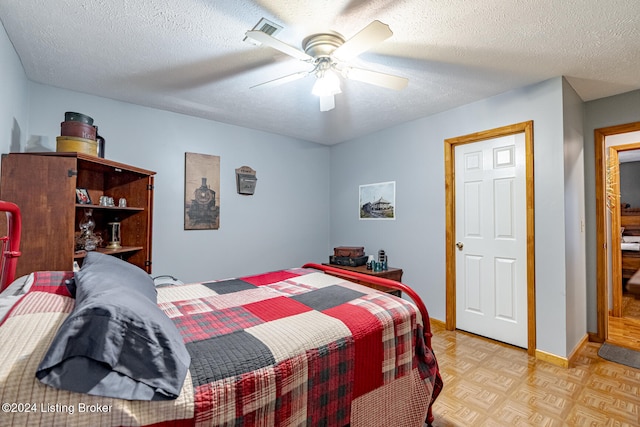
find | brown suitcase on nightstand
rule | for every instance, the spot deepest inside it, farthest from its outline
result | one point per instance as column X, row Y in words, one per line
column 349, row 251
column 348, row 261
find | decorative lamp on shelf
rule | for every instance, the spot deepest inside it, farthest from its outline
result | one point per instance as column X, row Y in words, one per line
column 87, row 240
column 114, row 235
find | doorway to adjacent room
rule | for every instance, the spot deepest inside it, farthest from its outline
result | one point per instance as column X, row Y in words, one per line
column 618, row 310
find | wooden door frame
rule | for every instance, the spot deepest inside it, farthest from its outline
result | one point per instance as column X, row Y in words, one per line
column 602, row 297
column 616, row 224
column 616, row 256
column 450, row 230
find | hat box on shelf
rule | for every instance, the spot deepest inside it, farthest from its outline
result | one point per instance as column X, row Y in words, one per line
column 75, row 144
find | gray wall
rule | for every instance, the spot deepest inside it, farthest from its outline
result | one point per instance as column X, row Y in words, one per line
column 630, row 183
column 412, row 155
column 13, row 96
column 575, row 238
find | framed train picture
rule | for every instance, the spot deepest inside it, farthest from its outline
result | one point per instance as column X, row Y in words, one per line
column 201, row 192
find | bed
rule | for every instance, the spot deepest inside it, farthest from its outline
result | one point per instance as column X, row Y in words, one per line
column 284, row 348
column 630, row 241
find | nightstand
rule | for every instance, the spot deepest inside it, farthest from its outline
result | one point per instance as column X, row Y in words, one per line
column 391, row 273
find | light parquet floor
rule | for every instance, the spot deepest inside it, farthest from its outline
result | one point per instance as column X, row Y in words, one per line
column 625, row 331
column 630, row 306
column 487, row 383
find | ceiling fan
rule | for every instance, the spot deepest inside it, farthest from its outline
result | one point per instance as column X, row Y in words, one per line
column 329, row 53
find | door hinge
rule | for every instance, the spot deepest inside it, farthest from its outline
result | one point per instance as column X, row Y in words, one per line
column 72, row 172
column 147, row 263
column 149, row 187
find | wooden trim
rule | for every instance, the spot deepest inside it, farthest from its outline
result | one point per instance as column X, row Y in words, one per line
column 450, row 235
column 531, row 241
column 576, row 350
column 616, row 224
column 150, row 189
column 593, row 337
column 450, row 231
column 601, row 244
column 616, row 256
column 601, row 235
column 552, row 358
column 564, row 362
column 439, row 323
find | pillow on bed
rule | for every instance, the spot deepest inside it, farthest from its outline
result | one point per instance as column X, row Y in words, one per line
column 116, row 342
column 102, row 272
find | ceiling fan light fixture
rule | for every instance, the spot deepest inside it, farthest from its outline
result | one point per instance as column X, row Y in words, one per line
column 327, row 84
column 327, row 103
column 327, row 52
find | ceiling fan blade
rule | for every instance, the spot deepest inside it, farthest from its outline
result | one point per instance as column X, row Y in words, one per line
column 282, row 80
column 327, row 102
column 267, row 40
column 369, row 36
column 376, row 78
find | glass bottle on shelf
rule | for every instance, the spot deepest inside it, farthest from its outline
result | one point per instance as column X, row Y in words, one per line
column 87, row 224
column 100, row 141
column 88, row 240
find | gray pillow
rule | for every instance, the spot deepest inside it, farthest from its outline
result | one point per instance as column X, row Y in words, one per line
column 116, row 342
column 102, row 272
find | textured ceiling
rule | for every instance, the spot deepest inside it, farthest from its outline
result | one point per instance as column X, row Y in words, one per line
column 188, row 56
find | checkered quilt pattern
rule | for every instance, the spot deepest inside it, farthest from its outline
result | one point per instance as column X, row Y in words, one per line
column 289, row 348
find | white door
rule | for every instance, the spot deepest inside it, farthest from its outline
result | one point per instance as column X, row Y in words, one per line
column 491, row 239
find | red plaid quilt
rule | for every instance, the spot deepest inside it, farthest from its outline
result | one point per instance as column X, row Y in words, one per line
column 288, row 348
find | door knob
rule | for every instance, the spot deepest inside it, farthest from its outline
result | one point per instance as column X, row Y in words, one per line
column 459, row 245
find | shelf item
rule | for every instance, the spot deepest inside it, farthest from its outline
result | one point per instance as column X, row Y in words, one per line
column 391, row 274
column 44, row 186
column 88, row 240
column 114, row 235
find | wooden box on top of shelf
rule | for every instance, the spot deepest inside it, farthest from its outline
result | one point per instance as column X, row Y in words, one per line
column 43, row 186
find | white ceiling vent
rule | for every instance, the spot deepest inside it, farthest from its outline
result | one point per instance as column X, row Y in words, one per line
column 267, row 27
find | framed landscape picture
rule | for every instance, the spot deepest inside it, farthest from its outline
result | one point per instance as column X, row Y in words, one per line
column 378, row 201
